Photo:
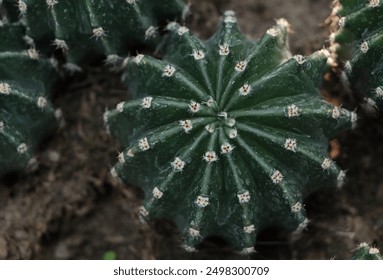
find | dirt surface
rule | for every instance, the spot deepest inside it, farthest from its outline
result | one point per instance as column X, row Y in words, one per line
column 72, row 209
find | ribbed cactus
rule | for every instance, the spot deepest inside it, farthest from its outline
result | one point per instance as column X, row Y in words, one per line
column 81, row 28
column 26, row 114
column 359, row 42
column 226, row 136
column 365, row 252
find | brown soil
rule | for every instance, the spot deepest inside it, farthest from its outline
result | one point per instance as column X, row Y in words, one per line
column 71, row 208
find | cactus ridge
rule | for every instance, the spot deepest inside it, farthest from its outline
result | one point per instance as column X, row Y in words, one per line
column 227, row 135
column 26, row 113
column 79, row 28
column 365, row 252
column 359, row 41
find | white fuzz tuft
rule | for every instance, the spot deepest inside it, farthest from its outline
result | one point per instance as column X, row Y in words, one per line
column 341, row 178
column 188, row 249
column 5, row 88
column 143, row 211
column 245, row 90
column 202, row 201
column 168, row 71
column 33, row 54
column 335, row 112
column 354, row 119
column 186, row 125
column 42, row 102
column 374, row 3
column 292, row 111
column 348, row 67
column 300, row 59
column 22, row 148
column 240, row 66
column 194, row 107
column 178, row 164
column 229, row 17
column 210, row 156
column 194, row 232
column 243, row 197
column 138, row 59
column 130, row 153
column 226, row 148
column 198, row 54
column 233, row 133
column 51, row 3
column 72, row 68
column 291, row 144
column 326, row 164
column 364, row 47
column 182, row 30
column 22, row 7
column 277, row 177
column 249, row 229
column 230, row 122
column 98, row 32
column 342, row 22
column 157, row 194
column 2, row 126
column 146, row 102
column 373, row 251
column 274, row 32
column 120, row 107
column 121, row 158
column 379, row 92
column 209, row 128
column 60, row 44
column 143, row 144
column 224, row 50
column 296, row 207
column 246, row 251
column 210, row 102
column 28, row 40
column 151, row 32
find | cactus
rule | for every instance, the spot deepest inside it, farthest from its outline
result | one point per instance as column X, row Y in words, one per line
column 26, row 114
column 226, row 136
column 365, row 252
column 81, row 28
column 359, row 42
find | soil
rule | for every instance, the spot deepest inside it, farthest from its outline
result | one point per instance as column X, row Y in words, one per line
column 71, row 208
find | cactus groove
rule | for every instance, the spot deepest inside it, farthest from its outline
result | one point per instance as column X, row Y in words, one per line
column 81, row 28
column 227, row 135
column 26, row 114
column 359, row 42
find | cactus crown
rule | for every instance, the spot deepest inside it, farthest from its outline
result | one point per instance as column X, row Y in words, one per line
column 26, row 114
column 365, row 252
column 359, row 40
column 80, row 28
column 225, row 134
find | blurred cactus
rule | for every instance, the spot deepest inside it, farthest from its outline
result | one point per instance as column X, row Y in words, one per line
column 365, row 252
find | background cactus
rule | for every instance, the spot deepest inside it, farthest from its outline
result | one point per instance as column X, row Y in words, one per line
column 26, row 114
column 81, row 28
column 365, row 252
column 359, row 42
column 227, row 135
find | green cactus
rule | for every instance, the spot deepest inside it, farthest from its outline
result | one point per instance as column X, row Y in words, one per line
column 226, row 136
column 26, row 114
column 359, row 42
column 93, row 27
column 365, row 252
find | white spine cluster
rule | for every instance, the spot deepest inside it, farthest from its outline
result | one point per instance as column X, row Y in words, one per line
column 151, row 32
column 296, row 207
column 182, row 30
column 186, row 125
column 249, row 229
column 224, row 50
column 364, row 47
column 194, row 107
column 168, row 71
column 326, row 164
column 245, row 90
column 143, row 144
column 240, row 66
column 202, row 201
column 198, row 54
column 291, row 144
column 277, row 177
column 226, row 148
column 146, row 102
column 233, row 133
column 22, row 148
column 210, row 156
column 300, row 59
column 51, row 3
column 157, row 194
column 120, row 107
column 5, row 88
column 98, row 32
column 243, row 197
column 292, row 111
column 42, row 102
column 178, row 164
column 61, row 44
column 194, row 232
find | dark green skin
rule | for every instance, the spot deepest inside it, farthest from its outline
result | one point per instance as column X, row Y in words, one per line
column 23, row 120
column 362, row 24
column 262, row 122
column 73, row 21
column 364, row 252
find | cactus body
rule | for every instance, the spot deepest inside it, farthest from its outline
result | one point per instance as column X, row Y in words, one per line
column 226, row 135
column 365, row 252
column 359, row 42
column 81, row 28
column 26, row 114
